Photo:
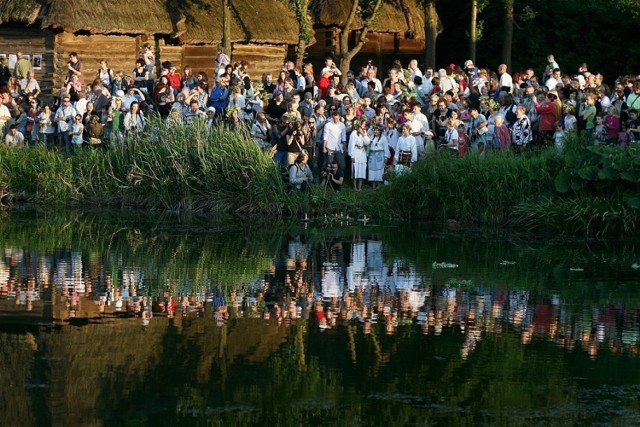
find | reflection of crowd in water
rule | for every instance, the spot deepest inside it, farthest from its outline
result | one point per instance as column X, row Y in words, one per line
column 328, row 284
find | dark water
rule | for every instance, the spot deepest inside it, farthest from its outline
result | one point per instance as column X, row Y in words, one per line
column 114, row 322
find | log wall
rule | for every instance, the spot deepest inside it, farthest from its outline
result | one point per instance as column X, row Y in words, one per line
column 120, row 52
column 262, row 58
column 30, row 40
column 200, row 58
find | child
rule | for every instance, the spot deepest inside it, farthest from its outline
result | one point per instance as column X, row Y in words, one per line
column 76, row 132
column 570, row 121
column 558, row 137
column 623, row 136
column 602, row 136
column 612, row 123
column 463, row 140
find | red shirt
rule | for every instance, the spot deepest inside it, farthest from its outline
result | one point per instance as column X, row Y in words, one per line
column 174, row 80
column 323, row 86
column 548, row 117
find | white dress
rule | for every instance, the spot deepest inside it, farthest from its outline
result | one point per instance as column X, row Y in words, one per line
column 406, row 153
column 358, row 152
column 378, row 152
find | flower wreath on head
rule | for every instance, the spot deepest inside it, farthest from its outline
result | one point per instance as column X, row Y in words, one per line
column 567, row 108
column 291, row 117
column 231, row 110
column 493, row 105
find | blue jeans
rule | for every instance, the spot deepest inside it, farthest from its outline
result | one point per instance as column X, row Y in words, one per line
column 281, row 158
column 65, row 141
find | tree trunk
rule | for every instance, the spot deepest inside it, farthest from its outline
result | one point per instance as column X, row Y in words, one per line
column 300, row 51
column 305, row 28
column 433, row 28
column 346, row 54
column 473, row 31
column 507, row 33
column 226, row 26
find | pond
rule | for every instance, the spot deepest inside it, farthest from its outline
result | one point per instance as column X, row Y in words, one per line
column 128, row 321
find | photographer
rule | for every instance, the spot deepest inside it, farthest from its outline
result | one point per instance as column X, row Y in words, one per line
column 295, row 140
column 279, row 134
column 300, row 176
column 333, row 177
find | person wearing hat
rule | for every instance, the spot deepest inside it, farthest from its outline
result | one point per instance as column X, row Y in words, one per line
column 548, row 112
column 470, row 69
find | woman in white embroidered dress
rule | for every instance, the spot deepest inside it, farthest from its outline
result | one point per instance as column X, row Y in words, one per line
column 378, row 154
column 358, row 143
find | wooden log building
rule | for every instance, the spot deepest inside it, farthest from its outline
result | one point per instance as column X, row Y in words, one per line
column 188, row 33
column 264, row 33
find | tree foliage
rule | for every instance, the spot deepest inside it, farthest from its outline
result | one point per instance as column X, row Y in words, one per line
column 602, row 33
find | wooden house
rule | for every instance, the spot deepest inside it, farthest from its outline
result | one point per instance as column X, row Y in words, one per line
column 98, row 30
column 178, row 31
column 20, row 32
column 398, row 32
column 261, row 33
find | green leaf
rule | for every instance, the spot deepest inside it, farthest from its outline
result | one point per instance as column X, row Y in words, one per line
column 631, row 175
column 632, row 199
column 563, row 181
column 589, row 173
column 608, row 173
column 577, row 183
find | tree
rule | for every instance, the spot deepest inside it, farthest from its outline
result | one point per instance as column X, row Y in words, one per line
column 433, row 28
column 305, row 27
column 226, row 26
column 507, row 33
column 366, row 10
column 476, row 26
column 473, row 30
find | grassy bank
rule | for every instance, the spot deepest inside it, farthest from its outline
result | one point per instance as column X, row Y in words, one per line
column 594, row 191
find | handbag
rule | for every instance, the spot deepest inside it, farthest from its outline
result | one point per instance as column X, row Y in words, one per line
column 483, row 130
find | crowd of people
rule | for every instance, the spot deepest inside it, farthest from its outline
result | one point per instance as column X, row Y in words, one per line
column 361, row 125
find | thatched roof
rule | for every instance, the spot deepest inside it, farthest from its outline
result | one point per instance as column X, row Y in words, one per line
column 19, row 10
column 262, row 21
column 103, row 17
column 394, row 16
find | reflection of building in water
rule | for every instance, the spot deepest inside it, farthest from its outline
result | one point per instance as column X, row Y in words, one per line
column 328, row 284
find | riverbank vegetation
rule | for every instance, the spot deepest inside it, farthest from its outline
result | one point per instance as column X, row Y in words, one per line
column 593, row 191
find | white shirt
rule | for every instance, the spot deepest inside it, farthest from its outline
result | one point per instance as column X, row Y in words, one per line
column 552, row 83
column 66, row 117
column 506, row 81
column 406, row 143
column 334, row 135
column 14, row 140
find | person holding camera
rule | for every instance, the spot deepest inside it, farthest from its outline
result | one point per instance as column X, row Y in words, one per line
column 300, row 176
column 333, row 177
column 280, row 140
column 295, row 140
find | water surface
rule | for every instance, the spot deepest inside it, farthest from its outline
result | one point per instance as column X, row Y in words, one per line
column 125, row 322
